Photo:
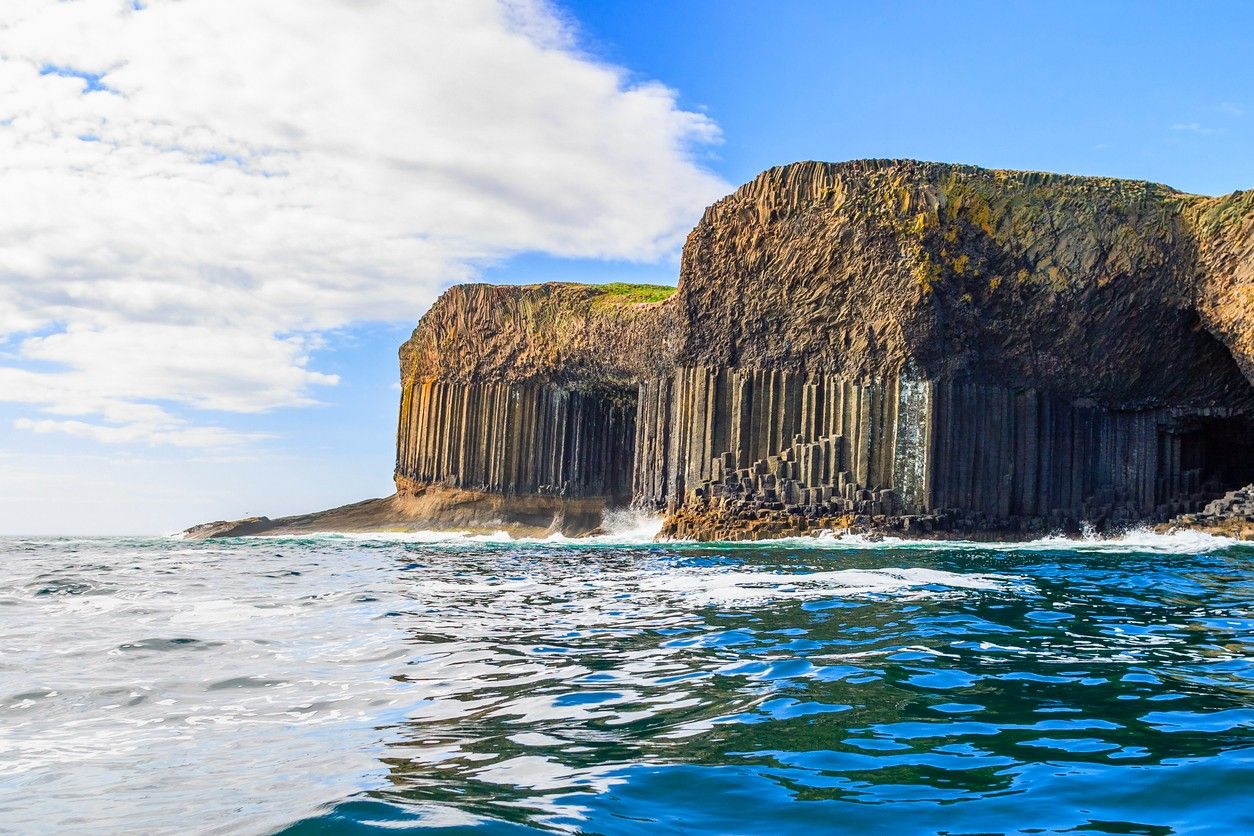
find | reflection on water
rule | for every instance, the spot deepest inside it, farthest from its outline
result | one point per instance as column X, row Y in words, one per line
column 337, row 684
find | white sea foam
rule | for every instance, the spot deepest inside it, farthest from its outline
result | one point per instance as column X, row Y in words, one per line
column 629, row 528
column 620, row 528
column 733, row 588
column 1180, row 541
column 1134, row 540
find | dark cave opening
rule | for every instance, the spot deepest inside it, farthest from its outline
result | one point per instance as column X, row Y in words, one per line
column 1216, row 453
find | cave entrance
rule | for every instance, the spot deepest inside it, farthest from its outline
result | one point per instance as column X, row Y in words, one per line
column 1216, row 453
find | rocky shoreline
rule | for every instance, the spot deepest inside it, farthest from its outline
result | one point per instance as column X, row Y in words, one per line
column 417, row 507
column 716, row 520
column 877, row 345
column 1232, row 515
column 751, row 518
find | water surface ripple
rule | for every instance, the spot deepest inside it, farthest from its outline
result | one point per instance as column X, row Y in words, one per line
column 451, row 684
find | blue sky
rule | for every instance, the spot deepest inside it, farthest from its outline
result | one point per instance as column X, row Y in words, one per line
column 1144, row 90
column 1152, row 91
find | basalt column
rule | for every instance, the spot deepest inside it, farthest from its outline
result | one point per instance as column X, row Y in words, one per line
column 795, row 438
column 749, row 442
column 1004, row 453
column 517, row 438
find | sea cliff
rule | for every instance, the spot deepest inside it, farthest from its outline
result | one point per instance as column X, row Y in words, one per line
column 877, row 345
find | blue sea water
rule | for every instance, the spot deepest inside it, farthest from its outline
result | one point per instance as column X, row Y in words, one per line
column 450, row 684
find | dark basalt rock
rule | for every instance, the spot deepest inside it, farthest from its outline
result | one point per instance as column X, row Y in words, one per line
column 1231, row 515
column 879, row 345
column 1088, row 288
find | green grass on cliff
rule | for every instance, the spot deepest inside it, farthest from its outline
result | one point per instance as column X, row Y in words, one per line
column 621, row 293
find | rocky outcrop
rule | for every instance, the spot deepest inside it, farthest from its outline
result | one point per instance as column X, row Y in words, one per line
column 586, row 337
column 530, row 391
column 1034, row 351
column 417, row 507
column 1232, row 515
column 1078, row 286
column 877, row 345
column 1224, row 291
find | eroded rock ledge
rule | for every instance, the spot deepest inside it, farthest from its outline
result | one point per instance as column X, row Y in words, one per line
column 878, row 345
column 1232, row 515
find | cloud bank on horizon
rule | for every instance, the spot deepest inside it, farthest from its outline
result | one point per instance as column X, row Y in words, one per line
column 196, row 192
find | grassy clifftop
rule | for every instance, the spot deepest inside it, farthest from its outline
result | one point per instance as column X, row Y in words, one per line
column 618, row 293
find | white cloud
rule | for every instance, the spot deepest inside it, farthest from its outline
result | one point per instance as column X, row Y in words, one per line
column 191, row 192
column 1192, row 127
column 166, row 431
column 1232, row 108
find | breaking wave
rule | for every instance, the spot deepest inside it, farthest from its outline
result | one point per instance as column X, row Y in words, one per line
column 638, row 529
column 703, row 587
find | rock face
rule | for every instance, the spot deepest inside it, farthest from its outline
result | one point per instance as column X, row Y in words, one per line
column 582, row 337
column 1232, row 515
column 1225, row 288
column 877, row 345
column 874, row 344
column 529, row 392
column 1074, row 285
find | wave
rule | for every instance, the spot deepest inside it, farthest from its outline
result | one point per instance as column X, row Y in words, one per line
column 1133, row 540
column 620, row 528
column 1137, row 539
column 731, row 588
column 627, row 528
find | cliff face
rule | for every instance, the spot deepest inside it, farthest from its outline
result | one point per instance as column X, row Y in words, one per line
column 577, row 336
column 1079, row 286
column 873, row 344
column 877, row 343
column 530, row 391
column 1225, row 289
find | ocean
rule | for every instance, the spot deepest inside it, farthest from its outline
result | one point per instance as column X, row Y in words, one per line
column 454, row 684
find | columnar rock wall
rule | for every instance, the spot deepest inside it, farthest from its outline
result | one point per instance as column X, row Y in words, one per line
column 858, row 340
column 751, row 445
column 799, row 444
column 1011, row 453
column 518, row 402
column 703, row 429
column 863, row 340
column 516, row 438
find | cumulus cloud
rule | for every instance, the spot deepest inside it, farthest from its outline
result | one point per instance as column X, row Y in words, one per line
column 194, row 190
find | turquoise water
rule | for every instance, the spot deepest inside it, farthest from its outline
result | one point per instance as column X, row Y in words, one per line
column 449, row 684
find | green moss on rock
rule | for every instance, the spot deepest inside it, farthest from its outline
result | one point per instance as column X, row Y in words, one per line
column 621, row 293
